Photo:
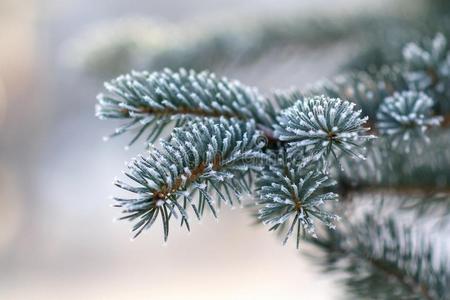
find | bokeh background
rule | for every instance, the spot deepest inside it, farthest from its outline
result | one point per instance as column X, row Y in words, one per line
column 57, row 235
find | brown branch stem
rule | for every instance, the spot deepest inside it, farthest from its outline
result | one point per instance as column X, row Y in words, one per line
column 404, row 279
column 399, row 190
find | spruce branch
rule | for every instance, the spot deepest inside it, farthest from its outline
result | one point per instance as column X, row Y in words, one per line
column 372, row 90
column 366, row 89
column 422, row 66
column 203, row 157
column 423, row 199
column 428, row 65
column 389, row 169
column 290, row 194
column 405, row 117
column 226, row 133
column 385, row 260
column 435, row 206
column 320, row 126
column 152, row 101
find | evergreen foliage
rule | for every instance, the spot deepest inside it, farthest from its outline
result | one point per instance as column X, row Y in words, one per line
column 428, row 65
column 320, row 126
column 406, row 116
column 290, row 193
column 152, row 101
column 298, row 152
column 384, row 260
column 201, row 157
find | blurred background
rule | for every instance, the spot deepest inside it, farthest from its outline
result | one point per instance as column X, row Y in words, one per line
column 57, row 235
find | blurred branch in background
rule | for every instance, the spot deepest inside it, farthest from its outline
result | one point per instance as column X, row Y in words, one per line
column 383, row 259
column 117, row 46
column 113, row 46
